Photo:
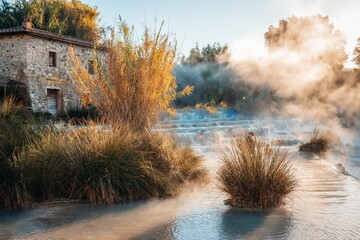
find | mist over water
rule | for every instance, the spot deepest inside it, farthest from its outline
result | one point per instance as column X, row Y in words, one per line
column 342, row 13
column 295, row 70
column 302, row 60
column 305, row 72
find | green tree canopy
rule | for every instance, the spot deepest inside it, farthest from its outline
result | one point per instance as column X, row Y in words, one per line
column 207, row 54
column 67, row 17
column 11, row 15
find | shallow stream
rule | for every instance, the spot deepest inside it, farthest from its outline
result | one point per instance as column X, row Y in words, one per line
column 326, row 204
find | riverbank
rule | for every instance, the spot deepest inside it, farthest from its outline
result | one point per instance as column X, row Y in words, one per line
column 101, row 166
column 322, row 199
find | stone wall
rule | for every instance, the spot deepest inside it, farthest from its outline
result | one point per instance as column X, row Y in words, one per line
column 26, row 58
column 12, row 57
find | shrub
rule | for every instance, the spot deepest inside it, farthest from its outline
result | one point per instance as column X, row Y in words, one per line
column 319, row 143
column 255, row 174
column 14, row 134
column 80, row 114
column 43, row 117
column 106, row 165
column 136, row 81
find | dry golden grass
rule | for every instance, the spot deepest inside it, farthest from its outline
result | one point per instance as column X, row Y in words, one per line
column 105, row 164
column 255, row 174
column 14, row 134
column 134, row 82
column 319, row 143
column 212, row 106
column 96, row 162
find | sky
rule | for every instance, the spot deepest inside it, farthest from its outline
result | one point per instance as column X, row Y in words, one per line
column 226, row 21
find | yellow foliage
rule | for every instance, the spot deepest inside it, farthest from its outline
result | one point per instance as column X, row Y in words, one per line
column 223, row 104
column 135, row 82
column 212, row 106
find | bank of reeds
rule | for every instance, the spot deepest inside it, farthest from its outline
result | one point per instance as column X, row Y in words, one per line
column 15, row 131
column 123, row 161
column 104, row 165
column 319, row 143
column 255, row 174
column 96, row 162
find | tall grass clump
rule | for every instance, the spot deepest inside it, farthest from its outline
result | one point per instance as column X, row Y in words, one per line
column 319, row 143
column 79, row 114
column 106, row 165
column 255, row 174
column 135, row 80
column 15, row 132
column 126, row 161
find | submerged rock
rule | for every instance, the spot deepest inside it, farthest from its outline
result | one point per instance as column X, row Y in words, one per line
column 339, row 168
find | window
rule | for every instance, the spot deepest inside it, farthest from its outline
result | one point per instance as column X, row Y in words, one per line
column 52, row 59
column 52, row 92
column 91, row 67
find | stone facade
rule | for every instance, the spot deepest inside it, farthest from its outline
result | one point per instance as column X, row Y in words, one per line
column 28, row 55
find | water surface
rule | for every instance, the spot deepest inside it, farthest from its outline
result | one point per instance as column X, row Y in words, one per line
column 325, row 205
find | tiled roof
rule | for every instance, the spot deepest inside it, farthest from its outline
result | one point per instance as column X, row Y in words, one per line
column 44, row 34
column 11, row 30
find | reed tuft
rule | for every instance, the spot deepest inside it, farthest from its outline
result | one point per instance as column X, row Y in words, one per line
column 255, row 174
column 134, row 82
column 319, row 143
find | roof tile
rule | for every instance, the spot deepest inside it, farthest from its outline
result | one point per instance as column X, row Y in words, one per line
column 45, row 34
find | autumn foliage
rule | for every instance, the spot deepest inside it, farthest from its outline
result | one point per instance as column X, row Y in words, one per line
column 134, row 82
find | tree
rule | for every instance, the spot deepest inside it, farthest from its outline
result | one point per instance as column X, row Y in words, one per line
column 313, row 35
column 11, row 15
column 216, row 83
column 208, row 54
column 67, row 17
column 356, row 53
column 194, row 56
column 211, row 52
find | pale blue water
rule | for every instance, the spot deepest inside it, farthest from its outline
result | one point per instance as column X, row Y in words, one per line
column 352, row 158
column 325, row 206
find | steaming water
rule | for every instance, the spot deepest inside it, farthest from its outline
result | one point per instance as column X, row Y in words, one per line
column 325, row 205
column 352, row 159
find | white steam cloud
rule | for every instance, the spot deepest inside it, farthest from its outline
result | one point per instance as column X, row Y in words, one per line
column 344, row 14
column 303, row 66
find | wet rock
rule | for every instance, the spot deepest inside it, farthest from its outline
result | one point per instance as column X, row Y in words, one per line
column 339, row 168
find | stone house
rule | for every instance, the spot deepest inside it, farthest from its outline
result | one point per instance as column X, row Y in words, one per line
column 37, row 62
